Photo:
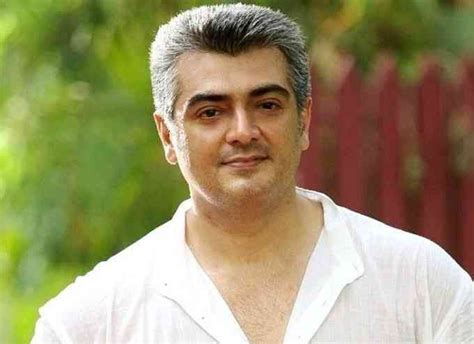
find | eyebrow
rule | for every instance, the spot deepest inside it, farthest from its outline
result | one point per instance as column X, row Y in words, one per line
column 206, row 97
column 269, row 88
column 256, row 92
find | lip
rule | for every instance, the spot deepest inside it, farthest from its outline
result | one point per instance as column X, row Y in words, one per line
column 244, row 161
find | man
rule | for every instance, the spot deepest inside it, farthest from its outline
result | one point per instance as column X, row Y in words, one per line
column 250, row 257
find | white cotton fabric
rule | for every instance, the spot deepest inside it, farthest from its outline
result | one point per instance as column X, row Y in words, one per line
column 365, row 282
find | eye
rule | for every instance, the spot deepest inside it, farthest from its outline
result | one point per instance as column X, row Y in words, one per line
column 270, row 105
column 209, row 113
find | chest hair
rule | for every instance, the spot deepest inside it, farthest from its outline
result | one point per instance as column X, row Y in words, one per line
column 261, row 300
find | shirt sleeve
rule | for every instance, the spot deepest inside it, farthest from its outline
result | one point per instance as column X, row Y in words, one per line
column 44, row 333
column 460, row 329
column 448, row 297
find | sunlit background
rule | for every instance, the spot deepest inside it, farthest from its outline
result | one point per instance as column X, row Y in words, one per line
column 81, row 172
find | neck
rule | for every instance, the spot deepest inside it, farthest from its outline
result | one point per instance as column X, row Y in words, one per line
column 230, row 236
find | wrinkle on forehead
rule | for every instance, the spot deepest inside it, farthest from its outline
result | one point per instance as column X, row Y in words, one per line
column 256, row 62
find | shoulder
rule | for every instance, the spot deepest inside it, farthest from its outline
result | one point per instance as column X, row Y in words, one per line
column 371, row 235
column 87, row 305
column 375, row 239
column 441, row 291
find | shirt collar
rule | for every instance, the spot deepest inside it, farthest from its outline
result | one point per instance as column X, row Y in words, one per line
column 337, row 232
column 184, row 281
column 179, row 259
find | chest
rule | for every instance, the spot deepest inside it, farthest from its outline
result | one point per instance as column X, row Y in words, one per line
column 261, row 303
column 264, row 319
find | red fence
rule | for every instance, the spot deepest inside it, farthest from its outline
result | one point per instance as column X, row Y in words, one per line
column 403, row 154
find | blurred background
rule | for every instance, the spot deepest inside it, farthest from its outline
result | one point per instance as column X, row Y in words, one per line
column 82, row 174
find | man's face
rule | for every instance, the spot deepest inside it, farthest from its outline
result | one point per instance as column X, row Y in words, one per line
column 235, row 134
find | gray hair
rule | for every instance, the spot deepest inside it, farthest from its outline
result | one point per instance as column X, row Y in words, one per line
column 230, row 29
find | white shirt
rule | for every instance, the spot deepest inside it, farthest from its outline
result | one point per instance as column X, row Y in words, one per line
column 365, row 282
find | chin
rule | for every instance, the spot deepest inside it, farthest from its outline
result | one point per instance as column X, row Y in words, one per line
column 247, row 190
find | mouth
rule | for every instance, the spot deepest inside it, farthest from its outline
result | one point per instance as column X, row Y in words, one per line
column 243, row 162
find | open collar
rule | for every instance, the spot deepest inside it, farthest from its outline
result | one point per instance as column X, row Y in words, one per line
column 336, row 230
column 182, row 279
column 334, row 264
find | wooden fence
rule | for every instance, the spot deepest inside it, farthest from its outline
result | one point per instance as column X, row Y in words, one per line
column 403, row 154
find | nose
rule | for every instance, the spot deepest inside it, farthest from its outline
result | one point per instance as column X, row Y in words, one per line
column 243, row 128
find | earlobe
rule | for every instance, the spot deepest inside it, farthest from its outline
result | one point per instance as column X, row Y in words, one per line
column 171, row 155
column 165, row 137
column 305, row 124
column 304, row 141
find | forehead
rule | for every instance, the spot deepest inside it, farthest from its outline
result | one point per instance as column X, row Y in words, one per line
column 235, row 76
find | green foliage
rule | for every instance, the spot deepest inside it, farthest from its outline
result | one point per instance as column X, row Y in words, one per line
column 81, row 172
column 406, row 29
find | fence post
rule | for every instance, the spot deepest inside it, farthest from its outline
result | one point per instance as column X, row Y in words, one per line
column 434, row 151
column 349, row 118
column 467, row 181
column 390, row 195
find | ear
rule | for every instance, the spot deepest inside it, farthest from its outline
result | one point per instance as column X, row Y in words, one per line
column 305, row 123
column 164, row 133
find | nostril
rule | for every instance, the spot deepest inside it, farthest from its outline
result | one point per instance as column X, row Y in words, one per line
column 243, row 136
column 243, row 130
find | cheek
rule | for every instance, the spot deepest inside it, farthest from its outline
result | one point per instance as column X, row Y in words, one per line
column 290, row 135
column 196, row 149
column 292, row 143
